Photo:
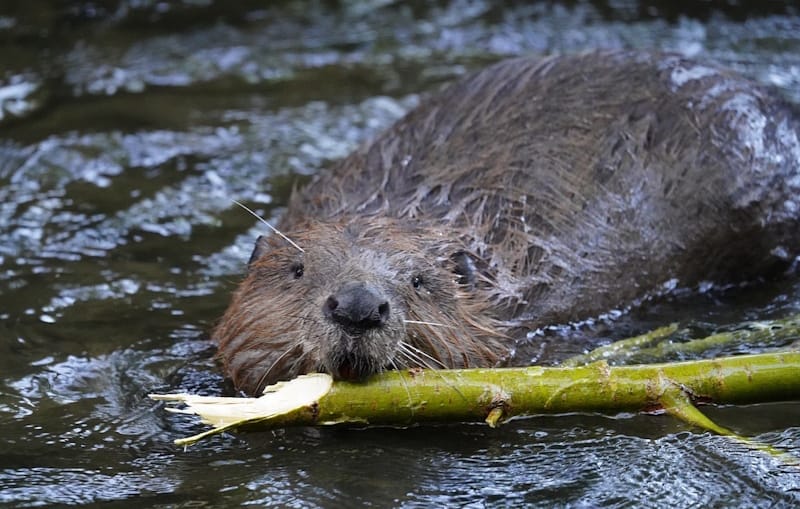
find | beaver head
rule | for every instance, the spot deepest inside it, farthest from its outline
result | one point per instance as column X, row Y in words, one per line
column 352, row 298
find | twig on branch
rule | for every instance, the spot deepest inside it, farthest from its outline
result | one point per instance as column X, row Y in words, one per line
column 657, row 346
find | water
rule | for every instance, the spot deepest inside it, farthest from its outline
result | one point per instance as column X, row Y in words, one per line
column 128, row 126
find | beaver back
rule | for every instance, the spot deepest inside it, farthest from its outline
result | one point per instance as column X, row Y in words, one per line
column 585, row 182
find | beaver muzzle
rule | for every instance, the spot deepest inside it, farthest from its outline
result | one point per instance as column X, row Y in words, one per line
column 357, row 307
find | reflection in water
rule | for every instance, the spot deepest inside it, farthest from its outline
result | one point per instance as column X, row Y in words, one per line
column 126, row 129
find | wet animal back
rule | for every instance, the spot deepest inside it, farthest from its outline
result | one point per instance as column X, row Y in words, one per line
column 604, row 173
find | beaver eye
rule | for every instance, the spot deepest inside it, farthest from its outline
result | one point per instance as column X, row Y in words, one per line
column 297, row 270
column 416, row 281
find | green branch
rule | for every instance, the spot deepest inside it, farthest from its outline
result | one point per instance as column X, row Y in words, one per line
column 496, row 395
column 662, row 345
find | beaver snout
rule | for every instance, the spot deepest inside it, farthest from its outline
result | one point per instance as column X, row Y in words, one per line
column 357, row 306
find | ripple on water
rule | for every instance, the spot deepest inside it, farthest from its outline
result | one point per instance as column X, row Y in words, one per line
column 599, row 468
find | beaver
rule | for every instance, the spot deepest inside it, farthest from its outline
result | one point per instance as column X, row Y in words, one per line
column 537, row 191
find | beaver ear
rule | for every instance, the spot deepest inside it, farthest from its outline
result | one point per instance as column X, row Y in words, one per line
column 464, row 268
column 259, row 249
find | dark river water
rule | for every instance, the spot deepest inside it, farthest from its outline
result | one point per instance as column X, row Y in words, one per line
column 128, row 126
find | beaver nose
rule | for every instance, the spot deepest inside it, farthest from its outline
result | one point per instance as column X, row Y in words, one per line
column 357, row 305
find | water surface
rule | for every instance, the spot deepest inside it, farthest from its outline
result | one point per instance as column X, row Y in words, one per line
column 127, row 128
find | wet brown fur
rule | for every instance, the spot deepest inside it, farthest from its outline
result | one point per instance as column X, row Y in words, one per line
column 571, row 185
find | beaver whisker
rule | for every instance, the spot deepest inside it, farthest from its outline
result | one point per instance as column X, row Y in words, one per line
column 412, row 353
column 291, row 349
column 439, row 347
column 430, row 347
column 433, row 324
column 278, row 232
column 411, row 360
column 415, row 354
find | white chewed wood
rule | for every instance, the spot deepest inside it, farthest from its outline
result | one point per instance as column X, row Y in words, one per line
column 278, row 399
